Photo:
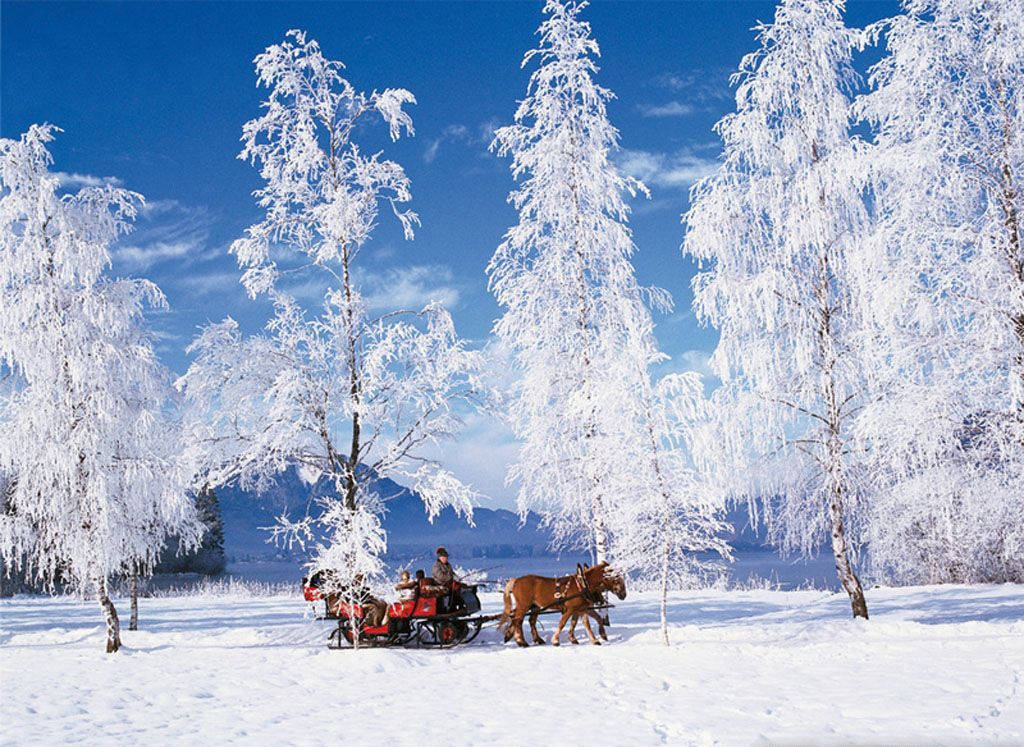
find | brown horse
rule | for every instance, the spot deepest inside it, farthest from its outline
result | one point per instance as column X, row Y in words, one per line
column 572, row 595
column 601, row 620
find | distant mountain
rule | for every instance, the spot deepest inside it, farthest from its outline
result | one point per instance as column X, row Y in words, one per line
column 495, row 533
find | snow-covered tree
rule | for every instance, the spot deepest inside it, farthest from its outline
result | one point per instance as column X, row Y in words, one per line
column 779, row 225
column 352, row 557
column 947, row 106
column 336, row 392
column 84, row 430
column 677, row 513
column 571, row 301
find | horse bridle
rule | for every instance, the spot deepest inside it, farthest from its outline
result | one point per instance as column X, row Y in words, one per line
column 582, row 578
column 585, row 590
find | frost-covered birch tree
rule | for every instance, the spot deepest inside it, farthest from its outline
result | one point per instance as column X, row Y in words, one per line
column 676, row 512
column 336, row 391
column 948, row 108
column 84, row 433
column 778, row 227
column 570, row 297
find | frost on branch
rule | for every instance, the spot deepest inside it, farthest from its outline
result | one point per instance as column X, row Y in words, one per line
column 322, row 194
column 87, row 434
column 948, row 311
column 332, row 390
column 675, row 513
column 574, row 317
column 779, row 228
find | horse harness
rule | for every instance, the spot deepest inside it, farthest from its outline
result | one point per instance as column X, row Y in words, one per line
column 568, row 583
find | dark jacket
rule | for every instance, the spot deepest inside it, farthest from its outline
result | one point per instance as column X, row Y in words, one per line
column 443, row 574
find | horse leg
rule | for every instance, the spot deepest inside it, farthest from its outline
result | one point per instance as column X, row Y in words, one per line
column 505, row 621
column 558, row 630
column 533, row 630
column 510, row 626
column 572, row 630
column 517, row 621
column 600, row 625
column 586, row 624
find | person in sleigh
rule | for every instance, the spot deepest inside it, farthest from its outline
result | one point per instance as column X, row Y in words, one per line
column 444, row 577
column 442, row 572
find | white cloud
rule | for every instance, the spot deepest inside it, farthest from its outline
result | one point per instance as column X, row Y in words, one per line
column 153, row 208
column 310, row 290
column 451, row 133
column 671, row 109
column 696, row 360
column 394, row 289
column 676, row 81
column 480, row 456
column 685, row 171
column 164, row 335
column 410, row 288
column 705, row 86
column 640, row 164
column 143, row 257
column 166, row 230
column 485, row 448
column 431, row 152
column 71, row 180
column 382, row 252
column 457, row 133
column 680, row 169
column 485, row 133
column 209, row 283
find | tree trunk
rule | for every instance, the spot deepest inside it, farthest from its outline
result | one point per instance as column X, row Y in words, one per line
column 847, row 577
column 352, row 621
column 600, row 534
column 584, row 324
column 835, row 478
column 1016, row 260
column 664, row 594
column 834, row 467
column 110, row 615
column 133, row 620
column 352, row 488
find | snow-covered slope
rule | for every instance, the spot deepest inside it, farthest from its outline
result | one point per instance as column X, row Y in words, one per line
column 934, row 665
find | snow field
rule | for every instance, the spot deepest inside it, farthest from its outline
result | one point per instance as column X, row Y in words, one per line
column 933, row 665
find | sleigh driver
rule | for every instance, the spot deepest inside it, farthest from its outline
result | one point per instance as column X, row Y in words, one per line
column 444, row 577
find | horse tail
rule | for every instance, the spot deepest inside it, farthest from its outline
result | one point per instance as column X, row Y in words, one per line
column 506, row 615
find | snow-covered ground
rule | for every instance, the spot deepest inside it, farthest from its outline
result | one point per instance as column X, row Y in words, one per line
column 935, row 665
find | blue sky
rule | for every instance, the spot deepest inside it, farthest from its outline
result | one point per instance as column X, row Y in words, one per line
column 154, row 95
